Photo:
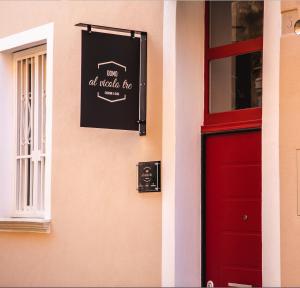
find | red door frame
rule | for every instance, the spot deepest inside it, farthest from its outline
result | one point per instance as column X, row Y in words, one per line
column 236, row 119
column 224, row 122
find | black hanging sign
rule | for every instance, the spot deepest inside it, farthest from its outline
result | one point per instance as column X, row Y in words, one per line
column 113, row 81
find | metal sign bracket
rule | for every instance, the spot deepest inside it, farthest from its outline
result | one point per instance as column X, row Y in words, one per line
column 143, row 68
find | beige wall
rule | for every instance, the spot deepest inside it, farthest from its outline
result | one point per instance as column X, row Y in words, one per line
column 289, row 142
column 104, row 233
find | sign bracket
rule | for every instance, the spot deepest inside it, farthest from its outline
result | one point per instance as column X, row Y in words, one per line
column 143, row 68
column 143, row 84
column 107, row 28
column 89, row 28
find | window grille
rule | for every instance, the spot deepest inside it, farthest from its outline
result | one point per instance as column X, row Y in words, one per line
column 30, row 132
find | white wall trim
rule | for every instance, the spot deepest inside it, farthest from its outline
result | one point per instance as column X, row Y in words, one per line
column 25, row 225
column 270, row 146
column 189, row 119
column 39, row 35
column 183, row 69
column 168, row 144
column 26, row 39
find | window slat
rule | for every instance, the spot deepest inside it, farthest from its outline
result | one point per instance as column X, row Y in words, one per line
column 25, row 131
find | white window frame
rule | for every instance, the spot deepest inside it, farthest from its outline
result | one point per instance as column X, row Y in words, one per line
column 8, row 45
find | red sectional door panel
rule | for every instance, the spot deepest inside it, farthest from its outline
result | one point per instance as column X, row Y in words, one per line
column 233, row 209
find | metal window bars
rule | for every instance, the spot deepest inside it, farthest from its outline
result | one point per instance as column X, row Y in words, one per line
column 30, row 130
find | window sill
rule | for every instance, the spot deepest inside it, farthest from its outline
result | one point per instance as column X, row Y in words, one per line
column 25, row 225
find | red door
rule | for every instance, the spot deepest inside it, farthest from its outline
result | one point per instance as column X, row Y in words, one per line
column 233, row 209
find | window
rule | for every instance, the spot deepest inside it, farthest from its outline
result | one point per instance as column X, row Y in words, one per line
column 233, row 62
column 234, row 21
column 26, row 86
column 30, row 117
column 235, row 82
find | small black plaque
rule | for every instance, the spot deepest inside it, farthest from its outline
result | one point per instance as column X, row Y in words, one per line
column 149, row 176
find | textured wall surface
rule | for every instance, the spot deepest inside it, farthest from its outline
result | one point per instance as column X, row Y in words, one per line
column 104, row 233
column 289, row 142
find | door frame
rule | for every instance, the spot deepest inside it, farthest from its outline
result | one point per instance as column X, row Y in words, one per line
column 271, row 271
column 174, row 272
column 229, row 122
column 233, row 119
